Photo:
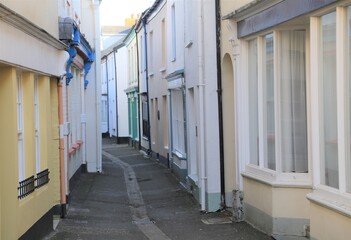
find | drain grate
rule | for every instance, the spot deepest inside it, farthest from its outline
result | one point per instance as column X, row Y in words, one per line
column 217, row 220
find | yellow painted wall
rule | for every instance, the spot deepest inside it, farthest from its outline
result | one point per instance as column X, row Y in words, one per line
column 17, row 216
column 54, row 154
column 8, row 149
column 327, row 224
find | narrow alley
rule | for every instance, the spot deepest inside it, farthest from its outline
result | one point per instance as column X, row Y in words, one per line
column 138, row 198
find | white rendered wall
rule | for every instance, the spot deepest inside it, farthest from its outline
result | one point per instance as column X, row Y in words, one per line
column 122, row 84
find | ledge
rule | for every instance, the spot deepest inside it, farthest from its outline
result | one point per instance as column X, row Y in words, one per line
column 278, row 180
column 333, row 201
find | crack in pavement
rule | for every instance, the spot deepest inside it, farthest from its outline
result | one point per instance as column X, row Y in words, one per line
column 136, row 202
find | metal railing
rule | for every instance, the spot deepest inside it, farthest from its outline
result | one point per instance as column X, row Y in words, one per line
column 42, row 178
column 28, row 185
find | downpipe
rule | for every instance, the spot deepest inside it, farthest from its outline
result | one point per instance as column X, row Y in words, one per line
column 201, row 85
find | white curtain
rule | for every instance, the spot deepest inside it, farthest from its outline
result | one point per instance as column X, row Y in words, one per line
column 293, row 102
column 268, row 85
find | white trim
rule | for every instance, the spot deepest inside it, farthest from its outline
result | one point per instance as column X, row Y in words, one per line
column 37, row 123
column 20, row 128
column 275, row 179
column 341, row 93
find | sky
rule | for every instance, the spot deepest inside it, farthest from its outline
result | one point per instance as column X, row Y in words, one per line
column 113, row 12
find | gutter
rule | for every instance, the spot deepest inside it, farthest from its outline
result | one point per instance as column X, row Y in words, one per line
column 220, row 104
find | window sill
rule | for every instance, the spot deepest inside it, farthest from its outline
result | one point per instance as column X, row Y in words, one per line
column 180, row 156
column 275, row 179
column 331, row 199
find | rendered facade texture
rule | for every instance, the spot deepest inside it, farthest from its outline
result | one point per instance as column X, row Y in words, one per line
column 48, row 81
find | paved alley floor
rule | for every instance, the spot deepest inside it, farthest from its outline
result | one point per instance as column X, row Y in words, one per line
column 138, row 198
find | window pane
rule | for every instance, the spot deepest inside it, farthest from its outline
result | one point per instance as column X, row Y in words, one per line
column 253, row 101
column 293, row 101
column 268, row 85
column 330, row 174
column 178, row 136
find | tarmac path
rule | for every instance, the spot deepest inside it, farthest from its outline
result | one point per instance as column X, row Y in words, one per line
column 137, row 198
column 137, row 206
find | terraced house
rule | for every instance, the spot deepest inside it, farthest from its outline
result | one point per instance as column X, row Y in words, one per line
column 287, row 65
column 47, row 81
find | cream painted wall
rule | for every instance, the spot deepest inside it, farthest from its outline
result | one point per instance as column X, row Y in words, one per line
column 17, row 216
column 290, row 202
column 327, row 224
column 258, row 195
column 41, row 13
column 48, row 60
column 229, row 126
column 277, row 202
column 157, row 82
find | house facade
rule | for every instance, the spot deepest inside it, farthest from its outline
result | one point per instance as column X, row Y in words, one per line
column 289, row 80
column 132, row 90
column 37, row 160
column 179, row 120
column 114, row 81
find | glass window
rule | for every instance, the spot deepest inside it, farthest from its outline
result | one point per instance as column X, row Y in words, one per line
column 268, row 96
column 146, row 132
column 330, row 173
column 289, row 91
column 174, row 35
column 253, row 102
column 293, row 101
column 178, row 122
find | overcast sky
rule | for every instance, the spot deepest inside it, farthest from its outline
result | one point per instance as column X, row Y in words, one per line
column 113, row 12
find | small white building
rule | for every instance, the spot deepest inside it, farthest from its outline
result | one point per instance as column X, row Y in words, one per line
column 114, row 66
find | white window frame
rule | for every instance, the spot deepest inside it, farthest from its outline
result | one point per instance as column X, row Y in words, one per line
column 174, row 33
column 178, row 124
column 339, row 198
column 37, row 123
column 277, row 178
column 20, row 128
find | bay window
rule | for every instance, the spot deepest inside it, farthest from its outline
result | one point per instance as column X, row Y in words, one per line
column 277, row 101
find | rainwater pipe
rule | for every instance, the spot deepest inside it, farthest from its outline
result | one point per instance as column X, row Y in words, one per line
column 96, row 4
column 220, row 103
column 201, row 85
column 83, row 124
column 149, row 151
column 63, row 199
